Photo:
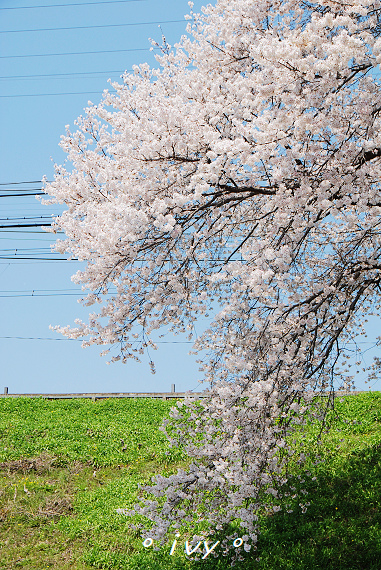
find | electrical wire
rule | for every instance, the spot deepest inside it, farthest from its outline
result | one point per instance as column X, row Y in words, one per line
column 39, row 295
column 17, row 258
column 25, row 226
column 80, row 340
column 24, row 182
column 18, row 253
column 28, row 218
column 21, row 192
column 32, row 232
column 36, row 338
column 18, row 195
column 91, row 27
column 26, row 239
column 74, row 53
column 50, row 94
column 42, row 291
column 31, row 261
column 58, row 75
column 39, row 250
column 20, row 189
column 67, row 5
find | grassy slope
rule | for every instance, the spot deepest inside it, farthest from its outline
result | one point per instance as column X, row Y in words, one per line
column 66, row 466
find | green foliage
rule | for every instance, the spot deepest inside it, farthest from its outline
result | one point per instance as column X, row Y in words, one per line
column 67, row 465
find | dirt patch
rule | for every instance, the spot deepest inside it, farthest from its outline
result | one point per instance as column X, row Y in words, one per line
column 76, row 466
column 40, row 465
column 56, row 507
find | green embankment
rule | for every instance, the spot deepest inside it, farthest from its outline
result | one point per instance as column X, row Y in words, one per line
column 67, row 465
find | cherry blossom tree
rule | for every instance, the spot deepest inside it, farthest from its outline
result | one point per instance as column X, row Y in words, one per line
column 243, row 173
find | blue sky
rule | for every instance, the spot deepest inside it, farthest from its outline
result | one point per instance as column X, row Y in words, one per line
column 40, row 93
column 33, row 113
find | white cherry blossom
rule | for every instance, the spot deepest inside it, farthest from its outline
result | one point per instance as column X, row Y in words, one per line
column 244, row 172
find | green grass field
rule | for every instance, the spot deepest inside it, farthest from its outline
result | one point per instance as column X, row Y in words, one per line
column 67, row 465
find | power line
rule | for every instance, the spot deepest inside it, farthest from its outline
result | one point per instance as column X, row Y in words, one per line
column 26, row 239
column 37, row 338
column 21, row 192
column 17, row 258
column 76, row 291
column 25, row 225
column 28, row 218
column 20, row 189
column 17, row 195
column 39, row 295
column 51, row 94
column 12, row 231
column 57, row 75
column 35, row 256
column 67, row 5
column 74, row 53
column 16, row 208
column 80, row 340
column 90, row 27
column 39, row 250
column 24, row 182
column 30, row 261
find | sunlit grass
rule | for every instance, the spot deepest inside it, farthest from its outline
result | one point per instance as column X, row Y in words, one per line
column 66, row 466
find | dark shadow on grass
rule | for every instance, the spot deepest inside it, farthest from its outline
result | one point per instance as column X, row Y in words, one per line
column 341, row 529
